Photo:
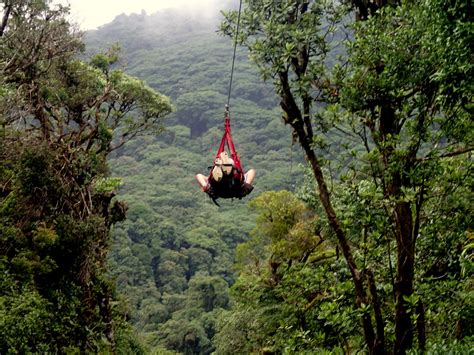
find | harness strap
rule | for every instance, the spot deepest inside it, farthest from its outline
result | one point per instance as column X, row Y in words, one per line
column 227, row 140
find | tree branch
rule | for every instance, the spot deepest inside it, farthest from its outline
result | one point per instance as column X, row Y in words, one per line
column 6, row 15
column 459, row 151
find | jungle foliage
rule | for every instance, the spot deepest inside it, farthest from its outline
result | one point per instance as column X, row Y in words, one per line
column 398, row 89
column 60, row 118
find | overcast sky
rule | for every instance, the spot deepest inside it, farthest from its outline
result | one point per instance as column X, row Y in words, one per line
column 90, row 14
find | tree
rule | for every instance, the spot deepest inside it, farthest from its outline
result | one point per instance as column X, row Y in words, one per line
column 285, row 279
column 92, row 98
column 401, row 98
column 289, row 45
column 60, row 117
column 398, row 92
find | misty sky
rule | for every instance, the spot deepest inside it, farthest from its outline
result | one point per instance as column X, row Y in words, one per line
column 90, row 14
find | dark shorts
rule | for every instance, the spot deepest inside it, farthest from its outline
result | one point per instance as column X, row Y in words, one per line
column 218, row 191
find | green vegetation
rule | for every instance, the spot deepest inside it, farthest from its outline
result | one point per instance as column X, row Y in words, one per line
column 366, row 247
column 407, row 111
column 60, row 118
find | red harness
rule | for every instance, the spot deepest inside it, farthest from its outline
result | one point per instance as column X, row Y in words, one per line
column 227, row 139
column 234, row 185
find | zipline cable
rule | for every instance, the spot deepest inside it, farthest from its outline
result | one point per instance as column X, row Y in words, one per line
column 233, row 58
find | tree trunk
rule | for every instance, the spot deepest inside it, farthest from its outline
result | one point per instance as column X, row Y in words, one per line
column 420, row 326
column 379, row 346
column 361, row 295
column 402, row 220
column 404, row 280
column 301, row 125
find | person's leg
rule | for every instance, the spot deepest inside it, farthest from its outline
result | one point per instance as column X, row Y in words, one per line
column 202, row 180
column 249, row 176
column 247, row 185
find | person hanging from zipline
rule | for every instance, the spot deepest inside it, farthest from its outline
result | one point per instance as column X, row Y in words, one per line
column 227, row 178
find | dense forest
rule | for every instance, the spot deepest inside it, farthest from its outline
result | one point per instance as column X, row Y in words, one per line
column 358, row 236
column 173, row 257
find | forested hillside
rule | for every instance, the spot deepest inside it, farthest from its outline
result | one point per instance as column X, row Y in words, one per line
column 173, row 257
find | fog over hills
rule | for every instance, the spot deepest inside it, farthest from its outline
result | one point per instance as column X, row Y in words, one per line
column 162, row 28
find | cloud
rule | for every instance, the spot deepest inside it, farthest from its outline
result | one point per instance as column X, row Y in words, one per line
column 90, row 14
